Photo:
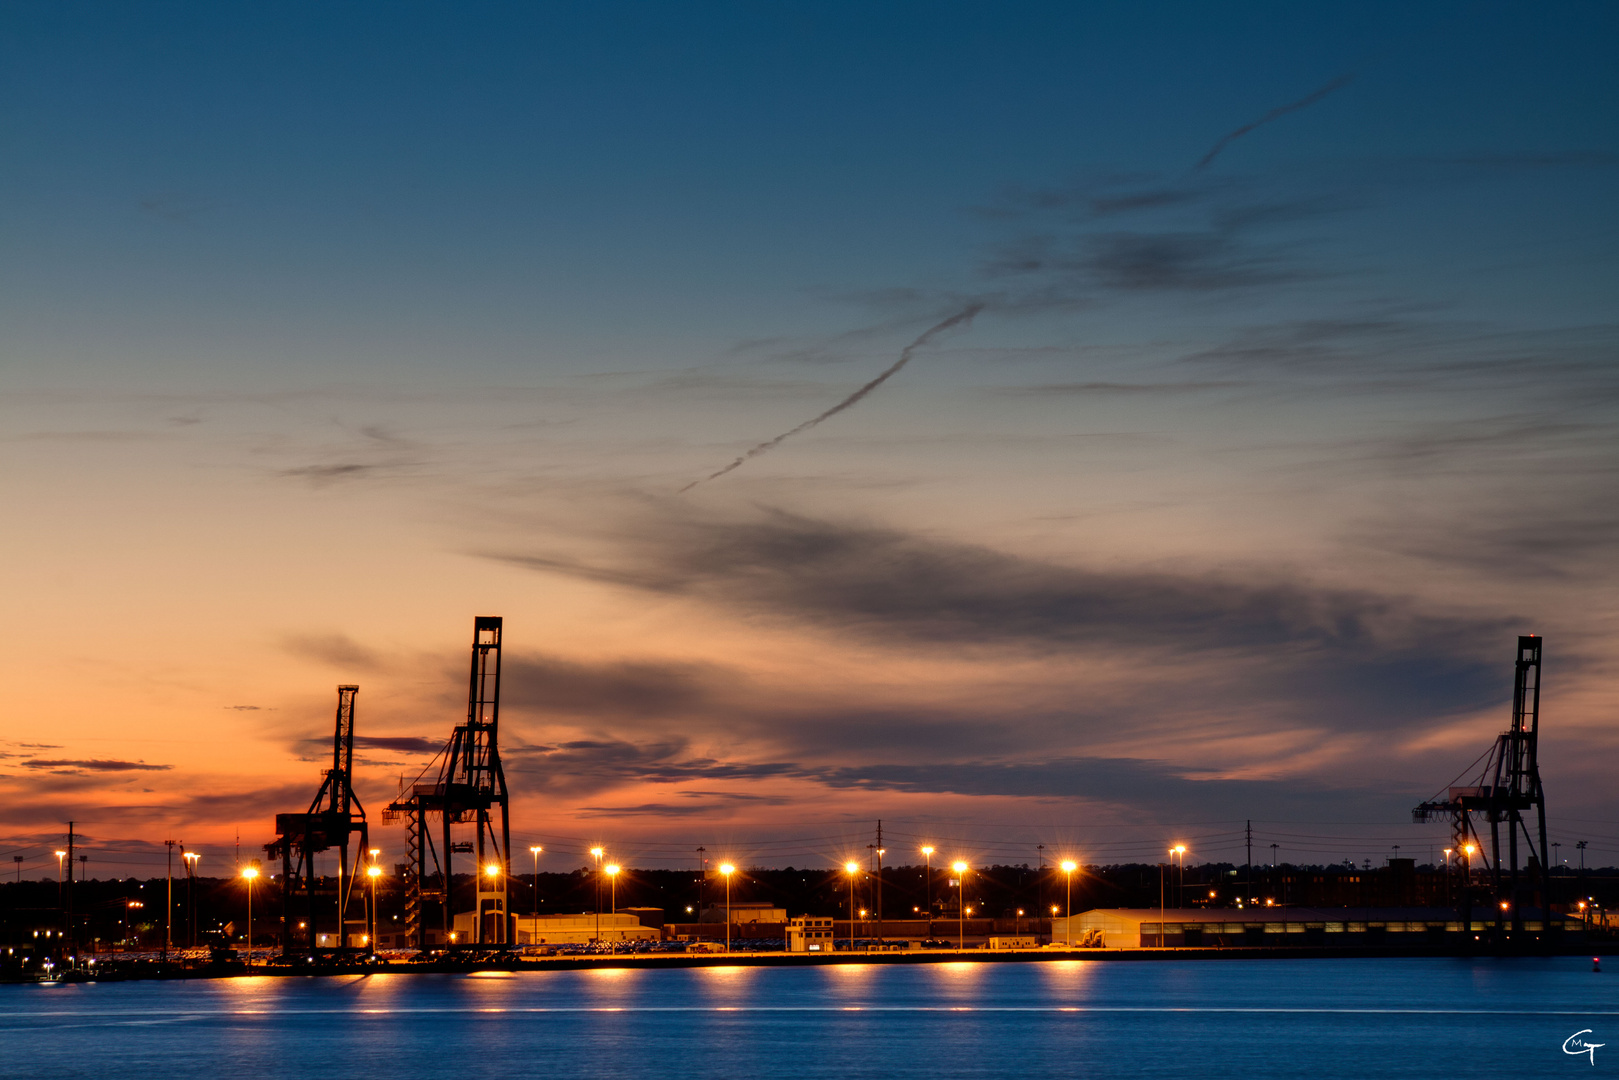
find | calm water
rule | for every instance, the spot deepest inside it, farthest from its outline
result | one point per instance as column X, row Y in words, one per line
column 1249, row 1019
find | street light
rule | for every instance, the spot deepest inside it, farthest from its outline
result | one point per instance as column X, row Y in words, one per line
column 597, row 853
column 853, row 870
column 727, row 870
column 490, row 871
column 373, row 872
column 612, row 879
column 191, row 858
column 1068, row 868
column 961, row 903
column 248, row 874
column 535, row 851
column 1180, row 882
column 927, row 883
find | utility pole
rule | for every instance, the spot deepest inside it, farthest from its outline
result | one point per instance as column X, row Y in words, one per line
column 1040, row 881
column 702, row 874
column 1160, row 905
column 168, row 913
column 1248, row 896
column 68, row 894
column 879, row 882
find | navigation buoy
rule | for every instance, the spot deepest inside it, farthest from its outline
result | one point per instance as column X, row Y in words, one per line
column 1596, row 963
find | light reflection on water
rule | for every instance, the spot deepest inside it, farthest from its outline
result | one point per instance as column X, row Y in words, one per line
column 1064, row 1018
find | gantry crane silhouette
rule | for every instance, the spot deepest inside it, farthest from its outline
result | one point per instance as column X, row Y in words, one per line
column 334, row 815
column 470, row 790
column 1504, row 793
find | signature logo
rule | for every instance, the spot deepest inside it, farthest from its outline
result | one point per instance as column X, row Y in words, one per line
column 1578, row 1044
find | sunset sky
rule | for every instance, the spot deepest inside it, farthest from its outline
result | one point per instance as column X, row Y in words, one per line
column 324, row 330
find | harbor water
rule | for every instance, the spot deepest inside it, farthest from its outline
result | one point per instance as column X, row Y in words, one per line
column 1233, row 1018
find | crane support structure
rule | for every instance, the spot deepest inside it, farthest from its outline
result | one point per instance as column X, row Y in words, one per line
column 1505, row 792
column 334, row 815
column 470, row 790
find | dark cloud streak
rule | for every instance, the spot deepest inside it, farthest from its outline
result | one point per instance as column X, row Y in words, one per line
column 960, row 318
column 1275, row 114
column 95, row 765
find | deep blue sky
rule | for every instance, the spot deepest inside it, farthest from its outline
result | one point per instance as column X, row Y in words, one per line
column 659, row 180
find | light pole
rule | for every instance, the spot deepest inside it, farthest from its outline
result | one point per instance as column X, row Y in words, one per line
column 127, row 905
column 597, row 853
column 877, row 901
column 491, row 871
column 852, row 868
column 373, row 872
column 535, row 851
column 612, row 885
column 191, row 858
column 1180, row 881
column 726, row 870
column 1068, row 868
column 168, row 908
column 927, row 883
column 1161, row 873
column 961, row 903
column 248, row 874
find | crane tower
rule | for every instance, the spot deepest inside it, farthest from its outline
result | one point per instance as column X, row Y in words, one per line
column 470, row 790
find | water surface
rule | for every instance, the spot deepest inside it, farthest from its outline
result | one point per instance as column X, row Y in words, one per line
column 1233, row 1018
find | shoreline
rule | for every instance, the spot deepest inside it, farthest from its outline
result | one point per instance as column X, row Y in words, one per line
column 498, row 963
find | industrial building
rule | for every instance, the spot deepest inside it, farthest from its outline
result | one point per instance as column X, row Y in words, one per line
column 1280, row 927
column 575, row 929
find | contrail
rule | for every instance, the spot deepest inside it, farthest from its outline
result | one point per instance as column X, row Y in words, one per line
column 963, row 316
column 1304, row 102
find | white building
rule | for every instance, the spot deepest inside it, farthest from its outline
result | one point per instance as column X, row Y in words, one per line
column 809, row 934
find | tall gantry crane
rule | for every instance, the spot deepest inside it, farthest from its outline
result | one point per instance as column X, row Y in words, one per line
column 470, row 788
column 1504, row 791
column 334, row 815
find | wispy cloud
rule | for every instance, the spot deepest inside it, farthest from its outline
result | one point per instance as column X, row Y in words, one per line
column 336, row 650
column 93, row 765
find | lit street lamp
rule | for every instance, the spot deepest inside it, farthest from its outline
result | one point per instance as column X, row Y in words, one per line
column 535, row 851
column 961, row 903
column 1068, row 868
column 373, row 872
column 597, row 853
column 191, row 858
column 612, row 883
column 248, row 874
column 853, row 870
column 927, row 883
column 491, row 871
column 727, row 870
column 128, row 904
